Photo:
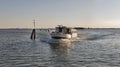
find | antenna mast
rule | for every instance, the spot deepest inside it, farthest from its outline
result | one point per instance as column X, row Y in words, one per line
column 34, row 23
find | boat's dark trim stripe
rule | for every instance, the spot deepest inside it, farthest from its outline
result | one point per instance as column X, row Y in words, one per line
column 59, row 37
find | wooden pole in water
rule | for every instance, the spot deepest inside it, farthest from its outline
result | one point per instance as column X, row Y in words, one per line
column 33, row 34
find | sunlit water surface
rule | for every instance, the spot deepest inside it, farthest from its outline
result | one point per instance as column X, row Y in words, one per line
column 96, row 48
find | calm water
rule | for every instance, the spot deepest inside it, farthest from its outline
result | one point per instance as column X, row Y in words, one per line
column 96, row 48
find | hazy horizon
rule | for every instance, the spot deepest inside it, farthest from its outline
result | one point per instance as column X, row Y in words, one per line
column 50, row 13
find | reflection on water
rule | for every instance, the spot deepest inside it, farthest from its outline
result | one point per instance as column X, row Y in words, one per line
column 63, row 48
column 61, row 54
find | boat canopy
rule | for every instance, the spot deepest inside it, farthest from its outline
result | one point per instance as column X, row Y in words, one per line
column 64, row 29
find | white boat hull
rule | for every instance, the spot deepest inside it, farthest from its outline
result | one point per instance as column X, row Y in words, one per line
column 59, row 41
column 65, row 36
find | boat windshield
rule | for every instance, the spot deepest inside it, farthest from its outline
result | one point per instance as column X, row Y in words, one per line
column 58, row 29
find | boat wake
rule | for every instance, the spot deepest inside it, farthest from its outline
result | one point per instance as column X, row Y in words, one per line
column 93, row 36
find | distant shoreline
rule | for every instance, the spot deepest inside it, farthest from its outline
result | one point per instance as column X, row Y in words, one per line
column 78, row 28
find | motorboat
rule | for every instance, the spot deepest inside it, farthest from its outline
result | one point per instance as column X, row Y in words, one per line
column 63, row 34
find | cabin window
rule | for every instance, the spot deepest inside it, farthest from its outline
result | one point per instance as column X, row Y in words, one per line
column 60, row 29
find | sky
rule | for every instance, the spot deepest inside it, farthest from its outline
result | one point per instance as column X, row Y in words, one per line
column 50, row 13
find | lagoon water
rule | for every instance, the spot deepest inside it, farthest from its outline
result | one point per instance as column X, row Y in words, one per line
column 96, row 48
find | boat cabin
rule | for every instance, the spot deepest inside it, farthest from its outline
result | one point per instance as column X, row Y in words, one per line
column 63, row 32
